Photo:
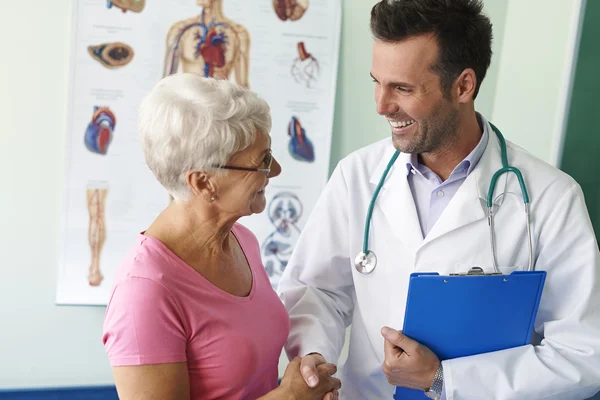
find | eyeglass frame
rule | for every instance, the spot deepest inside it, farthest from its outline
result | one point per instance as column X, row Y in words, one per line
column 266, row 171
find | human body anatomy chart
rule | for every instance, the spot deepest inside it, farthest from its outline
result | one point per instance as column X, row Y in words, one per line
column 286, row 50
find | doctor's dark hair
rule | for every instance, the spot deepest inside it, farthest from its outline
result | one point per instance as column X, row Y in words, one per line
column 462, row 31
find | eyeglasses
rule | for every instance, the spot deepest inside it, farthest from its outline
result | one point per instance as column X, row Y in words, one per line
column 268, row 160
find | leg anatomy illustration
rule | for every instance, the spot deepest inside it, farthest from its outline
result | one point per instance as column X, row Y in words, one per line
column 290, row 9
column 96, row 199
column 209, row 44
column 306, row 67
column 99, row 132
column 285, row 211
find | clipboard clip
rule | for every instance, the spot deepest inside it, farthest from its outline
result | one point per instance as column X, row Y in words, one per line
column 475, row 271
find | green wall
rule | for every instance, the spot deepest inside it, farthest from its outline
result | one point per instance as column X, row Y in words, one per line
column 581, row 152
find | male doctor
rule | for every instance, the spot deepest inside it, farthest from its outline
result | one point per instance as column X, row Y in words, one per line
column 429, row 59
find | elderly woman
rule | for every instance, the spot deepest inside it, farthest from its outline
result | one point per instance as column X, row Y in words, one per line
column 192, row 314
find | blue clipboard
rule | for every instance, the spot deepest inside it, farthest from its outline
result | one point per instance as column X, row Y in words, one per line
column 463, row 315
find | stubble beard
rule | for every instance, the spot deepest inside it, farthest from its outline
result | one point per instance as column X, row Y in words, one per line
column 435, row 133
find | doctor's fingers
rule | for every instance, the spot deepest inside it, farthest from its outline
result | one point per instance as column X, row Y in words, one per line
column 327, row 387
column 332, row 385
column 333, row 395
column 327, row 368
column 325, row 379
column 308, row 368
column 398, row 339
column 391, row 352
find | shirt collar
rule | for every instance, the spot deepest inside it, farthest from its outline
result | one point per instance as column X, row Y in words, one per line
column 469, row 162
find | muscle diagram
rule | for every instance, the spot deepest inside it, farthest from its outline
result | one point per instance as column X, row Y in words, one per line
column 284, row 213
column 290, row 9
column 112, row 55
column 209, row 44
column 305, row 69
column 96, row 199
column 127, row 5
column 99, row 132
column 300, row 147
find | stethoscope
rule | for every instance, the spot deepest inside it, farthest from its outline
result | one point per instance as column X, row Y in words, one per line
column 366, row 261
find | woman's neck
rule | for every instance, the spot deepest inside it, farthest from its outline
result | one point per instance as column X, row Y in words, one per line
column 199, row 237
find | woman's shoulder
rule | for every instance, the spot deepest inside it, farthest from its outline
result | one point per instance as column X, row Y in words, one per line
column 148, row 258
column 145, row 278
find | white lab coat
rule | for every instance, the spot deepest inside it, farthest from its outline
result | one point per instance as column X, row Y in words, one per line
column 324, row 293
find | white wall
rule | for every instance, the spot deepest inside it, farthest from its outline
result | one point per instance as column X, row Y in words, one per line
column 45, row 345
column 40, row 344
column 535, row 71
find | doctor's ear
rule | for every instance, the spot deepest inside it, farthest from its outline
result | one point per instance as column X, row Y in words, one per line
column 465, row 86
column 201, row 185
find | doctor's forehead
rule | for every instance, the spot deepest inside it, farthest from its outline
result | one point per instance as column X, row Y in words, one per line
column 409, row 60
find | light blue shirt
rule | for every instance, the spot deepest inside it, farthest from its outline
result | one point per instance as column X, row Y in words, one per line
column 430, row 193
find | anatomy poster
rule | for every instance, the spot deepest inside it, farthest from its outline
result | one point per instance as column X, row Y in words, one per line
column 285, row 50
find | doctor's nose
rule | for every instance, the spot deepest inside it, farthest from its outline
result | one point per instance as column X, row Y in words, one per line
column 385, row 104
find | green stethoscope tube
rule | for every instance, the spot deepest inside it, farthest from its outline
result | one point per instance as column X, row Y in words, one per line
column 366, row 261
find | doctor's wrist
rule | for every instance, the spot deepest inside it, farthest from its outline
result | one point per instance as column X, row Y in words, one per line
column 437, row 383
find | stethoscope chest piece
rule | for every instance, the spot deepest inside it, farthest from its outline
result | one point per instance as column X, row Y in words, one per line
column 365, row 263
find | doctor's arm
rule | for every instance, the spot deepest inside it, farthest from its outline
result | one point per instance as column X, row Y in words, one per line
column 566, row 364
column 317, row 286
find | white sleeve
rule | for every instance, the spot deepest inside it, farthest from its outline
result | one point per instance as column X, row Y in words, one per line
column 317, row 286
column 566, row 363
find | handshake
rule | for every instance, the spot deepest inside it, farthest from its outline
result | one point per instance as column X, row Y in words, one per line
column 406, row 363
column 309, row 377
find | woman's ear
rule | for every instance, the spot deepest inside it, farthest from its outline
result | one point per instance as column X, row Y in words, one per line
column 202, row 185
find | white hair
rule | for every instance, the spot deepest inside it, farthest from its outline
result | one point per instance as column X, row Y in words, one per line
column 188, row 122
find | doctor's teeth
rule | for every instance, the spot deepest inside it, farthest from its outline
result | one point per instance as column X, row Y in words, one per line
column 402, row 124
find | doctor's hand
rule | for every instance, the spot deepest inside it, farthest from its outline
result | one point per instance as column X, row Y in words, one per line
column 408, row 363
column 309, row 368
column 294, row 387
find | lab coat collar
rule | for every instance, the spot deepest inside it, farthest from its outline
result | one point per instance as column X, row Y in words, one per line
column 490, row 162
column 467, row 206
column 396, row 200
column 469, row 203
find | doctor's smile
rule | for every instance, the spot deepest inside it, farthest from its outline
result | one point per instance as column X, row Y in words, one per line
column 403, row 126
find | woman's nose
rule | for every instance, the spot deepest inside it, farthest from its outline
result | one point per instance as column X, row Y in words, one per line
column 275, row 168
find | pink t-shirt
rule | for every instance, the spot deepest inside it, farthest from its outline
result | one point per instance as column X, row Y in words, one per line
column 163, row 311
